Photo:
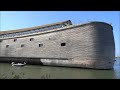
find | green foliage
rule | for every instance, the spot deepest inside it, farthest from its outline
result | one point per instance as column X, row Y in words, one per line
column 46, row 76
column 14, row 76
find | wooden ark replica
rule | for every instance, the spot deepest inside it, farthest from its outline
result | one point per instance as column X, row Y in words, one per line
column 88, row 45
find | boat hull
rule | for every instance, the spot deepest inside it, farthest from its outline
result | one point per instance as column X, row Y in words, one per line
column 88, row 46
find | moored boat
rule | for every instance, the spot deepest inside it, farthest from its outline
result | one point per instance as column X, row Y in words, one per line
column 18, row 64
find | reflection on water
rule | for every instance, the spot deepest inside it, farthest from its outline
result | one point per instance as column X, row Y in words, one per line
column 117, row 68
column 49, row 72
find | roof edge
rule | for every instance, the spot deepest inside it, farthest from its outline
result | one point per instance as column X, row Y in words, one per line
column 31, row 28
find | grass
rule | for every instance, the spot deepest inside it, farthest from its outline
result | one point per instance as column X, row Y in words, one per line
column 13, row 76
column 46, row 76
column 21, row 76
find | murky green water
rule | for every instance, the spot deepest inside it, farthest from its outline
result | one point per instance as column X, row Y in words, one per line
column 47, row 72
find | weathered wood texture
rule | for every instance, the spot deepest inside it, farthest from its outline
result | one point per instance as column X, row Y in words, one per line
column 89, row 45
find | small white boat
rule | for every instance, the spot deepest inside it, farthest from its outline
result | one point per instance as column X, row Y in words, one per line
column 18, row 64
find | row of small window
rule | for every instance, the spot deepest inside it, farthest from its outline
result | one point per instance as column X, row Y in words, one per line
column 23, row 45
column 40, row 45
column 32, row 31
column 31, row 39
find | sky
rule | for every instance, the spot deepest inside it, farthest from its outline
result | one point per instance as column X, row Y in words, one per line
column 10, row 20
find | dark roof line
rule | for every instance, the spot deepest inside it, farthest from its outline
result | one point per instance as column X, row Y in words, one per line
column 32, row 28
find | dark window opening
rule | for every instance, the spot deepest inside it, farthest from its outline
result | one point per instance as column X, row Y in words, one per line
column 109, row 62
column 7, row 46
column 23, row 45
column 49, row 38
column 15, row 40
column 40, row 45
column 63, row 44
column 31, row 39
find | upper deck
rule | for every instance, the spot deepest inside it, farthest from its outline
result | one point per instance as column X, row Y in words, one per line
column 37, row 29
column 43, row 29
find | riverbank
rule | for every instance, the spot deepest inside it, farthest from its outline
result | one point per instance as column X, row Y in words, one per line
column 7, row 71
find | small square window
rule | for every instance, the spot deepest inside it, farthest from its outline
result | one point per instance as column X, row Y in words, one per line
column 63, row 44
column 15, row 40
column 23, row 45
column 31, row 39
column 40, row 45
column 7, row 46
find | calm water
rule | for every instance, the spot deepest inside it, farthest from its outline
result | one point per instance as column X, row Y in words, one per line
column 48, row 72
